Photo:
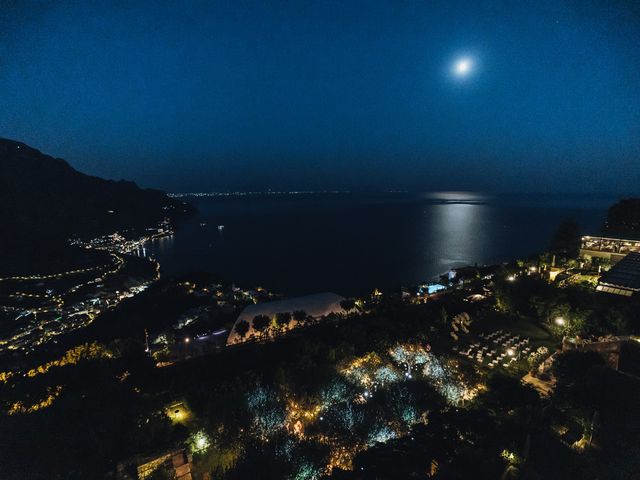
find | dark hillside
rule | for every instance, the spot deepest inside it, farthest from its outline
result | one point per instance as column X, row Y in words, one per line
column 44, row 201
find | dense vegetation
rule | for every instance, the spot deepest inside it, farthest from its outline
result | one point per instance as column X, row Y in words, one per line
column 375, row 394
column 287, row 409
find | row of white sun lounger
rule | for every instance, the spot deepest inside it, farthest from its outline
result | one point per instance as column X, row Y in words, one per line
column 496, row 363
column 489, row 336
column 479, row 353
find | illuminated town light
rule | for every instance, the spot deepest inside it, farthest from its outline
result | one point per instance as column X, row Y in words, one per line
column 560, row 321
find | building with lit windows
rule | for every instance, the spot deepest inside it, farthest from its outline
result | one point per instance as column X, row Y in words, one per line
column 612, row 249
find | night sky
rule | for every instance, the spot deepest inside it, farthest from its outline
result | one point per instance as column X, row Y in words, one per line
column 202, row 96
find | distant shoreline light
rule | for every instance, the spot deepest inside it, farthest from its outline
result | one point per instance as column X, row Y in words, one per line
column 268, row 192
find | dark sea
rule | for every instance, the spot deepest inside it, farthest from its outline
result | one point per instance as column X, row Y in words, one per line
column 352, row 243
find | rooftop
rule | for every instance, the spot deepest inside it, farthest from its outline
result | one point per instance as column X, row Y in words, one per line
column 623, row 278
column 317, row 305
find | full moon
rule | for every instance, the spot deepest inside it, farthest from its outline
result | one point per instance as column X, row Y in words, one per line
column 462, row 67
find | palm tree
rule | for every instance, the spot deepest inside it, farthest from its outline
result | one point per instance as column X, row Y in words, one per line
column 300, row 316
column 242, row 328
column 261, row 324
column 348, row 304
column 282, row 320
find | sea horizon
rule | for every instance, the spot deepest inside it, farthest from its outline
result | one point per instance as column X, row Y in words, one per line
column 355, row 242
